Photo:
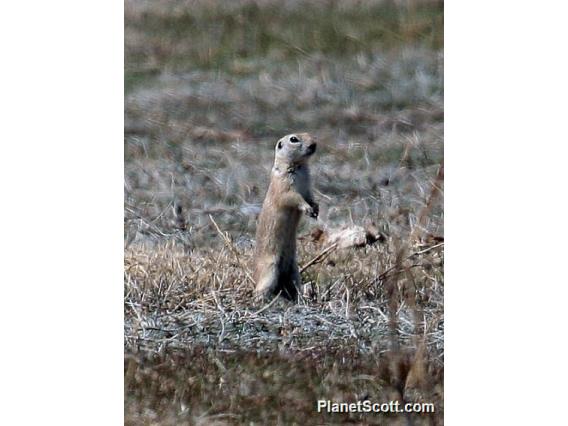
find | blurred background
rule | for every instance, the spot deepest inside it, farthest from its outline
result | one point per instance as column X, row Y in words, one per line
column 211, row 85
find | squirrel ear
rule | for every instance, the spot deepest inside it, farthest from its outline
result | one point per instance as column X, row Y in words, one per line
column 279, row 144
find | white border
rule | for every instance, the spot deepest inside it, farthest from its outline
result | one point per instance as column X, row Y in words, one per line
column 505, row 195
column 61, row 174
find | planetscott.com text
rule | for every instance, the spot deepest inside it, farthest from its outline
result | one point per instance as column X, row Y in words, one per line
column 374, row 407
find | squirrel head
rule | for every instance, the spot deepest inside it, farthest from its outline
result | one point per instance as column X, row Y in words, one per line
column 294, row 150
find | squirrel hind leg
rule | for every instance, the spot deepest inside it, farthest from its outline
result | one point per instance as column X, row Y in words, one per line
column 290, row 283
column 267, row 281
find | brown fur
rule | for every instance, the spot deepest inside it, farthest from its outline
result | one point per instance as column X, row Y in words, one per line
column 289, row 196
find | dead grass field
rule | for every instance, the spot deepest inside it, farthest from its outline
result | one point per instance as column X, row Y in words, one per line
column 209, row 89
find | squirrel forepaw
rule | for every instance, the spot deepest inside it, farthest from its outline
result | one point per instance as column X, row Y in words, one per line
column 313, row 211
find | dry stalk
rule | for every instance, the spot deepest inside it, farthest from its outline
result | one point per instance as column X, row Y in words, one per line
column 268, row 305
column 325, row 252
column 233, row 250
column 434, row 193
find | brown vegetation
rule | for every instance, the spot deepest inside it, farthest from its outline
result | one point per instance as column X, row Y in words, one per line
column 199, row 141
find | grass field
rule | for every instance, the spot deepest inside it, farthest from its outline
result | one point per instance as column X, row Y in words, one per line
column 209, row 88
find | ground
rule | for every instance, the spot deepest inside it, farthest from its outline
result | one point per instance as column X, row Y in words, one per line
column 209, row 88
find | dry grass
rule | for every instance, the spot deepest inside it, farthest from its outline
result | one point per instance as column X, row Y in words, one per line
column 198, row 148
column 206, row 298
column 370, row 326
column 205, row 387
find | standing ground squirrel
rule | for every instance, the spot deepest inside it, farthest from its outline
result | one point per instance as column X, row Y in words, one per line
column 289, row 195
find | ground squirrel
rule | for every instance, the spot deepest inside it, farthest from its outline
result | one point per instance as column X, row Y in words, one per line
column 289, row 195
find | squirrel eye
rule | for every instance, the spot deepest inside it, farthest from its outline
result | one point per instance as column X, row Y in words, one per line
column 294, row 139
